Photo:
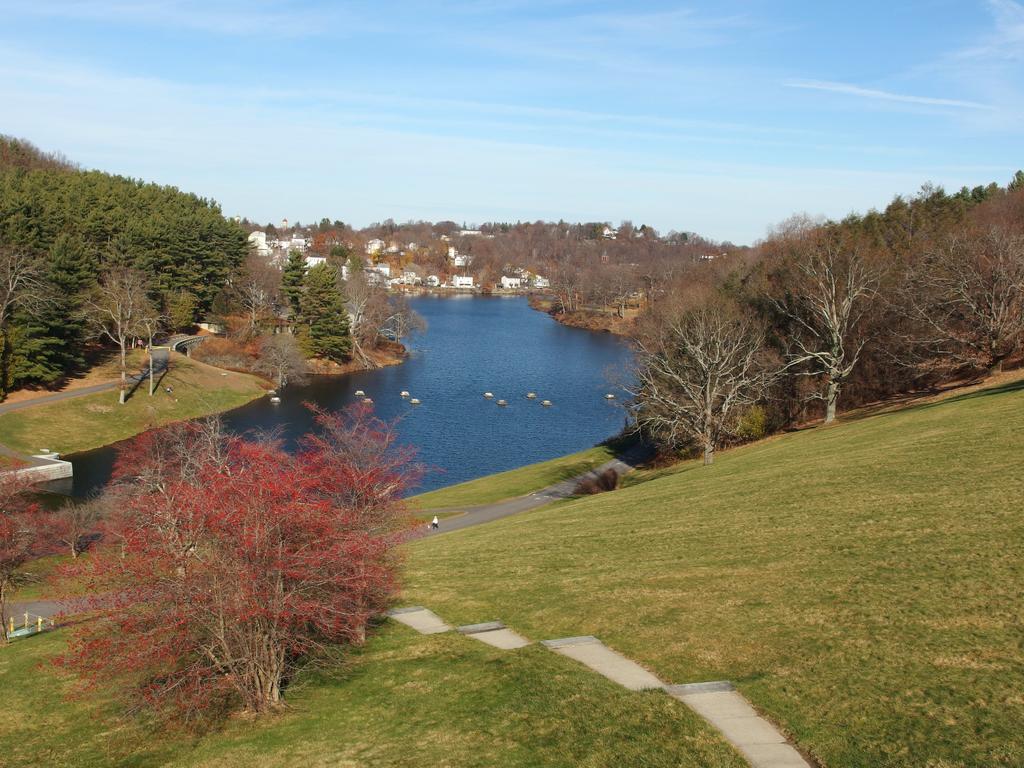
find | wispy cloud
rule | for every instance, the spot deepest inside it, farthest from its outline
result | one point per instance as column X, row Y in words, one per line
column 1006, row 42
column 879, row 95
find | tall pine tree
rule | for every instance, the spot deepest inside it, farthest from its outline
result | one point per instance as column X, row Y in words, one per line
column 293, row 279
column 324, row 313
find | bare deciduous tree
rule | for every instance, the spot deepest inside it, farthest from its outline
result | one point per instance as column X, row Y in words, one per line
column 966, row 300
column 281, row 359
column 696, row 372
column 256, row 290
column 76, row 520
column 827, row 292
column 117, row 309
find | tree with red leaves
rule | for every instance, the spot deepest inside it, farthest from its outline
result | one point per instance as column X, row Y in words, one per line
column 240, row 562
column 20, row 527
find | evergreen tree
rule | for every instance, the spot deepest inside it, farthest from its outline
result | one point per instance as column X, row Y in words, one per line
column 323, row 311
column 47, row 344
column 293, row 279
column 1017, row 182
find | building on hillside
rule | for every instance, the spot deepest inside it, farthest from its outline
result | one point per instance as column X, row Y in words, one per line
column 315, row 261
column 374, row 246
column 536, row 281
column 511, row 283
column 461, row 260
column 608, row 233
column 383, row 268
column 469, row 232
column 258, row 240
column 433, row 281
column 373, row 277
column 462, row 281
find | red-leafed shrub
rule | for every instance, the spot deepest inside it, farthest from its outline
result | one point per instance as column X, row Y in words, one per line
column 233, row 562
column 22, row 526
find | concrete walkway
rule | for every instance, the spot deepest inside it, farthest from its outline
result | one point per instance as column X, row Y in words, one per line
column 495, row 633
column 757, row 739
column 564, row 489
column 599, row 657
column 423, row 621
column 719, row 703
column 159, row 364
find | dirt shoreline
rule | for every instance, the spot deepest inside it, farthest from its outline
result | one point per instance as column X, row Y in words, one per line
column 587, row 320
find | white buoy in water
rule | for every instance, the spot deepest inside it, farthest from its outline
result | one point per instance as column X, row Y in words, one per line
column 272, row 392
column 368, row 401
column 488, row 395
column 531, row 395
column 360, row 393
column 275, row 399
column 545, row 403
column 609, row 396
column 415, row 401
column 502, row 402
column 404, row 393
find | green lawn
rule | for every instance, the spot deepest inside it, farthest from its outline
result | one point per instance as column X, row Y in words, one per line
column 862, row 584
column 91, row 421
column 515, row 482
column 404, row 700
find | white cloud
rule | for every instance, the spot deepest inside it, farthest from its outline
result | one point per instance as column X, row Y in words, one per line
column 878, row 95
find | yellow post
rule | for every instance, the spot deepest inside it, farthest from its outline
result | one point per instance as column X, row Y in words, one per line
column 26, row 620
column 39, row 624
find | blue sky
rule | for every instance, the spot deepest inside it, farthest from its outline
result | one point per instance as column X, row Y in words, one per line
column 718, row 117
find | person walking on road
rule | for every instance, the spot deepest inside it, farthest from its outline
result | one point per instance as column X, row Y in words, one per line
column 434, row 524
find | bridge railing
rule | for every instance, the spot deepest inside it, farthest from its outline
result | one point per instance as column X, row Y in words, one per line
column 28, row 624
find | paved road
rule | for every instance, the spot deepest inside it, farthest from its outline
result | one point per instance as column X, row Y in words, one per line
column 159, row 364
column 562, row 490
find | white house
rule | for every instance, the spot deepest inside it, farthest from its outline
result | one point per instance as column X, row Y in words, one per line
column 383, row 269
column 297, row 244
column 608, row 233
column 410, row 278
column 314, row 261
column 374, row 246
column 462, row 281
column 509, row 283
column 433, row 281
column 469, row 232
column 258, row 240
column 540, row 282
column 461, row 260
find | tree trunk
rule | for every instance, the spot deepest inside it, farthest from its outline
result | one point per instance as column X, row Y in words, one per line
column 709, row 454
column 831, row 398
column 124, row 374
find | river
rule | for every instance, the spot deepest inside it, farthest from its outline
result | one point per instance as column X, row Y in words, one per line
column 472, row 345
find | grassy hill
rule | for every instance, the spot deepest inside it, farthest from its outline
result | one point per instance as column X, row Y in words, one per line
column 90, row 421
column 515, row 482
column 861, row 584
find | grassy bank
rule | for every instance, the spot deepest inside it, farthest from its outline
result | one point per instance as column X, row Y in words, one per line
column 404, row 700
column 515, row 482
column 861, row 584
column 91, row 421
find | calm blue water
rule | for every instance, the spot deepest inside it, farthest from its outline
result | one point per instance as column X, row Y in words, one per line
column 472, row 345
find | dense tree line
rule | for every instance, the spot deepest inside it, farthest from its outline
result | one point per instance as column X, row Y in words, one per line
column 825, row 315
column 62, row 228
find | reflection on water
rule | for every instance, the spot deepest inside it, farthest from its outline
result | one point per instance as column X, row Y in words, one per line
column 472, row 345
